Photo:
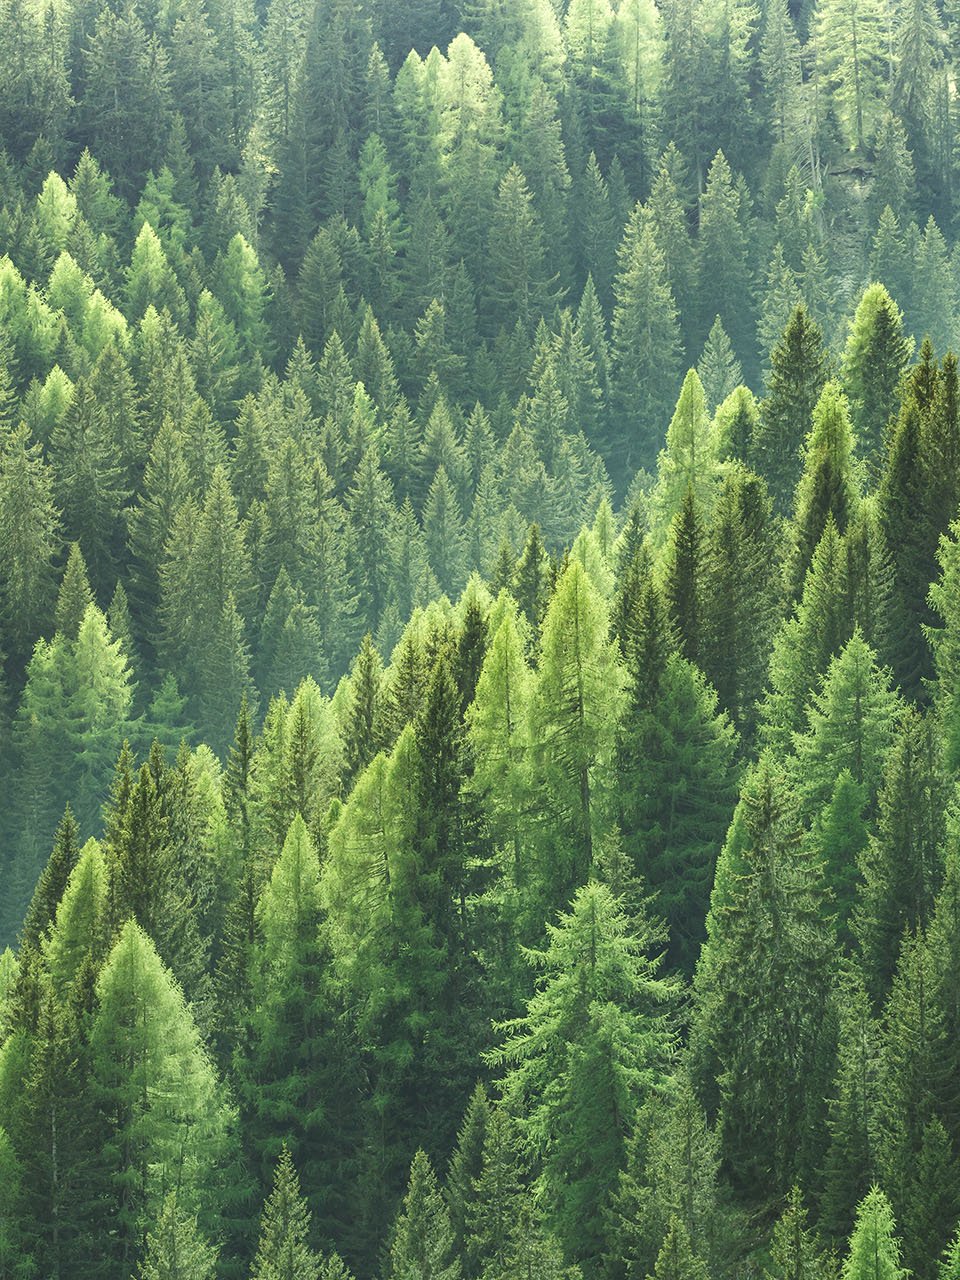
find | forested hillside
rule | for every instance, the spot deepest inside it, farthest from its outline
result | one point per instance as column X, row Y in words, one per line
column 480, row 627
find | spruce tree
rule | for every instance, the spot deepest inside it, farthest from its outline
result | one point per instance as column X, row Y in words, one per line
column 767, row 931
column 874, row 361
column 902, row 865
column 798, row 372
column 795, row 1249
column 676, row 1259
column 576, row 700
column 421, row 1243
column 466, row 1163
column 284, row 1252
column 826, row 487
column 645, row 348
column 602, row 1003
column 175, row 1250
column 29, row 542
column 874, row 1251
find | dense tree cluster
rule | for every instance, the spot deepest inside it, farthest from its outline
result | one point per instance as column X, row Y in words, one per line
column 479, row 641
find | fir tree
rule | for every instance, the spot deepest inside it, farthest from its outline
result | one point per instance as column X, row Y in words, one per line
column 602, row 1001
column 284, row 1252
column 175, row 1250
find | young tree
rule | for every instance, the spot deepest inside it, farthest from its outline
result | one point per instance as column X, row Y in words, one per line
column 767, row 932
column 284, row 1252
column 175, row 1250
column 576, row 702
column 422, row 1238
column 592, row 1043
column 167, row 1120
column 798, row 371
column 874, row 360
column 874, row 1251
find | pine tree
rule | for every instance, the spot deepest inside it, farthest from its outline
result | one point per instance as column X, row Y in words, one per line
column 902, row 865
column 874, row 361
column 576, row 701
column 601, row 1003
column 422, row 1238
column 874, row 1252
column 645, row 347
column 284, row 1252
column 175, row 1250
column 767, row 932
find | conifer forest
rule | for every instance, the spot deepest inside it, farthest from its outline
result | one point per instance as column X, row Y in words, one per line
column 480, row 627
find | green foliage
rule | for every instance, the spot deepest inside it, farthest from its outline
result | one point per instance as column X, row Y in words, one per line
column 283, row 1252
column 175, row 1250
column 340, row 321
column 593, row 1041
column 874, row 1252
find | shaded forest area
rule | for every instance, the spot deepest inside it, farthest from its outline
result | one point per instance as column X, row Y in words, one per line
column 480, row 626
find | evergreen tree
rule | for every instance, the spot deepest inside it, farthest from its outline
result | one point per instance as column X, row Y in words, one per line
column 284, row 1252
column 798, row 372
column 601, row 1004
column 902, row 865
column 874, row 1252
column 29, row 542
column 168, row 1122
column 874, row 361
column 719, row 369
column 175, row 1250
column 826, row 488
column 576, row 701
column 74, row 595
column 645, row 347
column 676, row 1259
column 724, row 273
column 422, row 1239
column 766, row 931
column 795, row 1249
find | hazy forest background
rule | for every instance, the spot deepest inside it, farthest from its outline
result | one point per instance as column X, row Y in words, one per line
column 480, row 628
